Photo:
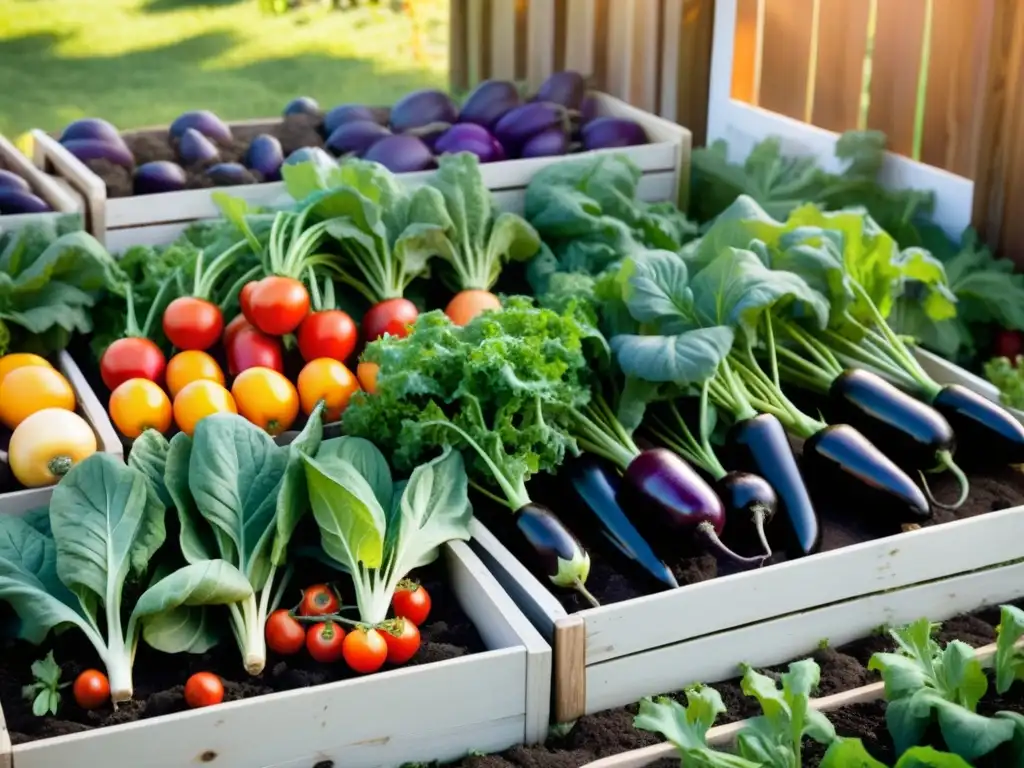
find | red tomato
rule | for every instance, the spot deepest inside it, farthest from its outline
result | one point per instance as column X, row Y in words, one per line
column 318, row 600
column 325, row 642
column 1009, row 344
column 191, row 323
column 284, row 634
column 278, row 305
column 92, row 689
column 403, row 642
column 245, row 298
column 327, row 334
column 204, row 689
column 251, row 348
column 364, row 650
column 131, row 358
column 231, row 329
column 393, row 316
column 411, row 602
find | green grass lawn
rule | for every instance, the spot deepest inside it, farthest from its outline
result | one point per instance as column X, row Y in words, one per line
column 143, row 62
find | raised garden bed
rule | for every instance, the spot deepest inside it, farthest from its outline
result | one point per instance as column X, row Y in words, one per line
column 56, row 193
column 638, row 643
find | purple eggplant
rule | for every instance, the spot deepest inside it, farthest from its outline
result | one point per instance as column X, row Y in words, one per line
column 13, row 181
column 265, row 156
column 94, row 149
column 469, row 137
column 401, row 154
column 14, row 201
column 590, row 110
column 194, row 148
column 843, row 463
column 91, row 128
column 158, row 176
column 347, row 113
column 556, row 551
column 751, row 496
column 356, row 137
column 204, row 121
column 523, row 123
column 983, row 428
column 566, row 88
column 612, row 132
column 229, row 174
column 489, row 102
column 421, row 108
column 671, row 499
column 549, row 143
column 303, row 105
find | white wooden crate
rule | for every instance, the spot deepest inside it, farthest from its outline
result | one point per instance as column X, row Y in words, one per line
column 486, row 701
column 53, row 190
column 95, row 413
column 615, row 654
column 665, row 164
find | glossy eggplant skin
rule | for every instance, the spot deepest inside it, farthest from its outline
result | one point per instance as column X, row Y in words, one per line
column 557, row 551
column 980, row 425
column 566, row 88
column 911, row 432
column 846, row 465
column 13, row 201
column 598, row 490
column 750, row 502
column 760, row 446
column 13, row 182
column 303, row 105
column 489, row 102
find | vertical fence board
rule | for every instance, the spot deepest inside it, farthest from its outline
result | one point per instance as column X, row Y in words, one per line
column 540, row 47
column 897, row 53
column 503, row 39
column 692, row 77
column 785, row 60
column 562, row 34
column 746, row 52
column 458, row 69
column 842, row 41
column 580, row 42
column 522, row 37
column 672, row 55
column 645, row 52
column 621, row 14
column 602, row 12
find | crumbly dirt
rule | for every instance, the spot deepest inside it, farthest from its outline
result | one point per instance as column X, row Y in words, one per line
column 159, row 678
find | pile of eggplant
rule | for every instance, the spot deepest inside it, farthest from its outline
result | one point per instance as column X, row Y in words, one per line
column 16, row 196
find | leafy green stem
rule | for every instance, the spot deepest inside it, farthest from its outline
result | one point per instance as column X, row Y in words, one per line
column 154, row 309
column 770, row 399
column 739, row 401
column 601, row 442
column 678, row 437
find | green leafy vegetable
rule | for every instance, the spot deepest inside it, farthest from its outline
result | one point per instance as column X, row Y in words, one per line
column 1009, row 660
column 1008, row 378
column 850, row 753
column 44, row 691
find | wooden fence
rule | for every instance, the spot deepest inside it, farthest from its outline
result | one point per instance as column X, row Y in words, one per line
column 944, row 79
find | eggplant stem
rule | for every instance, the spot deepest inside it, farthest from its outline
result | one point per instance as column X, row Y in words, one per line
column 946, row 462
column 759, row 512
column 706, row 533
column 579, row 587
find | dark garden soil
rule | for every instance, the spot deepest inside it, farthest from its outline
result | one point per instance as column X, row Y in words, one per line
column 611, row 732
column 159, row 679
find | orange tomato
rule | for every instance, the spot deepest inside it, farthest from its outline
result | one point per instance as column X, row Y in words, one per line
column 266, row 398
column 32, row 388
column 198, row 400
column 367, row 375
column 138, row 405
column 328, row 380
column 17, row 360
column 191, row 365
column 466, row 305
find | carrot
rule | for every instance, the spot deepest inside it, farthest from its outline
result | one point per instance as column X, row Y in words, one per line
column 466, row 305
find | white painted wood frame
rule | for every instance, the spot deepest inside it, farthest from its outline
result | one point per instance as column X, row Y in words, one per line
column 54, row 191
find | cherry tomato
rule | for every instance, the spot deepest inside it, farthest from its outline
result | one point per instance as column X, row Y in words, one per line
column 204, row 689
column 191, row 323
column 411, row 602
column 191, row 365
column 364, row 650
column 318, row 600
column 131, row 358
column 231, row 329
column 466, row 305
column 327, row 334
column 30, row 389
column 367, row 375
column 138, row 405
column 278, row 305
column 325, row 642
column 393, row 316
column 328, row 380
column 284, row 634
column 403, row 642
column 197, row 401
column 251, row 348
column 266, row 398
column 14, row 361
column 92, row 689
column 245, row 299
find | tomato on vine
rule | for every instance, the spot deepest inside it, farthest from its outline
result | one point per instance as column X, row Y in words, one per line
column 325, row 642
column 318, row 600
column 402, row 638
column 411, row 601
column 364, row 650
column 284, row 634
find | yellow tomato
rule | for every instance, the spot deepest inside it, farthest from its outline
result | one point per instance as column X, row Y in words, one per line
column 191, row 365
column 328, row 380
column 198, row 400
column 266, row 398
column 367, row 374
column 9, row 363
column 137, row 405
column 33, row 388
column 47, row 444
